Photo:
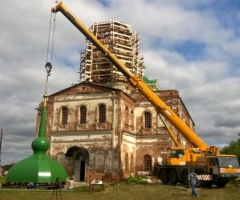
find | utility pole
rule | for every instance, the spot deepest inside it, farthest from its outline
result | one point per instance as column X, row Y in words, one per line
column 0, row 151
column 239, row 139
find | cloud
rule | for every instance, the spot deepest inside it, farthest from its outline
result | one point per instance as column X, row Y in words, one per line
column 190, row 46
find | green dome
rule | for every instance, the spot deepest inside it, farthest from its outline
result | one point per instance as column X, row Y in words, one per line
column 38, row 168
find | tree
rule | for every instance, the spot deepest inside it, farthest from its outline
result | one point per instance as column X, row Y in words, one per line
column 233, row 148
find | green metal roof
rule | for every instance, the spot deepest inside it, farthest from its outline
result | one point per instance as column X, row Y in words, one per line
column 38, row 168
column 146, row 80
column 153, row 83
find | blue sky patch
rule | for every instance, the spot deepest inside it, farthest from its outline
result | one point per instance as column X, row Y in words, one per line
column 227, row 12
column 235, row 63
column 68, row 62
column 190, row 50
column 105, row 3
column 156, row 43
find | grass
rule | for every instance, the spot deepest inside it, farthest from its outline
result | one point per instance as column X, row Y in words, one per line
column 134, row 180
column 130, row 189
column 124, row 192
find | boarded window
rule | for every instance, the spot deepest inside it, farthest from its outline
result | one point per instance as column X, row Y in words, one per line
column 126, row 116
column 64, row 115
column 102, row 113
column 147, row 163
column 83, row 115
column 131, row 164
column 61, row 158
column 148, row 119
column 100, row 163
column 126, row 163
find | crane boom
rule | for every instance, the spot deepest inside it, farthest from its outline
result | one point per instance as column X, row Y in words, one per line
column 137, row 82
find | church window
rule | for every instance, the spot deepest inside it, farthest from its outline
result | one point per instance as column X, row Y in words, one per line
column 64, row 115
column 83, row 115
column 147, row 163
column 148, row 120
column 102, row 113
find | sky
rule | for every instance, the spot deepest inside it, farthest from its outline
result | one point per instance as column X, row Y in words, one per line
column 191, row 46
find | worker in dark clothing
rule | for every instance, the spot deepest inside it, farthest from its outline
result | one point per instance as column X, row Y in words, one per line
column 31, row 185
column 193, row 181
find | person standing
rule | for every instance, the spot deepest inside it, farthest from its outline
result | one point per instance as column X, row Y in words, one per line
column 193, row 181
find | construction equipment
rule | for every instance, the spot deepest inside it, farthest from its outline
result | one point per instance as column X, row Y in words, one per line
column 211, row 166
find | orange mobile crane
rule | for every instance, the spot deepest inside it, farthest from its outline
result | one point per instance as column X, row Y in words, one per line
column 209, row 164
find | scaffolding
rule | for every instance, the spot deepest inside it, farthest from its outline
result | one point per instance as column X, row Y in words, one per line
column 122, row 42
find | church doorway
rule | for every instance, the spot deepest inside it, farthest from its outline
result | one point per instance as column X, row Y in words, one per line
column 80, row 156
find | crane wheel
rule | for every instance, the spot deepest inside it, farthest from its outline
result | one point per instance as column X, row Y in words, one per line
column 173, row 177
column 206, row 184
column 185, row 178
column 220, row 184
column 164, row 176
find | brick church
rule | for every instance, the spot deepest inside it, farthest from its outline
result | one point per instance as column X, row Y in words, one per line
column 102, row 127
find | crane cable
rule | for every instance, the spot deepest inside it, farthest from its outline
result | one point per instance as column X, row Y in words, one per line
column 48, row 65
column 49, row 35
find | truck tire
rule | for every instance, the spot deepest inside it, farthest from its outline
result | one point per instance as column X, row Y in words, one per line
column 185, row 178
column 206, row 184
column 220, row 184
column 173, row 177
column 164, row 176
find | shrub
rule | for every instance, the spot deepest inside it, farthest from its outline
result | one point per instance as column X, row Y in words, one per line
column 135, row 180
column 235, row 183
column 2, row 179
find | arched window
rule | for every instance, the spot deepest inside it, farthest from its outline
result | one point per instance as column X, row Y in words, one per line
column 83, row 115
column 64, row 115
column 147, row 163
column 102, row 113
column 126, row 163
column 148, row 120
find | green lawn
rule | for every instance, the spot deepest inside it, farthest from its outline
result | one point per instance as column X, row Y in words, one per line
column 124, row 192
